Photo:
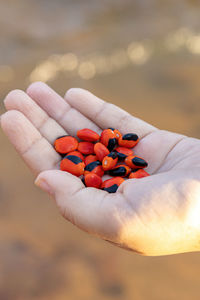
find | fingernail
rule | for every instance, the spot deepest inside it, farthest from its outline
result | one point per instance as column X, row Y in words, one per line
column 41, row 183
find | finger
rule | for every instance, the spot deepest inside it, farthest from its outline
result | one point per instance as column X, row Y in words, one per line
column 57, row 108
column 49, row 128
column 105, row 114
column 88, row 208
column 36, row 151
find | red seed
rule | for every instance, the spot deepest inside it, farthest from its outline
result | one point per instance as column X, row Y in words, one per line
column 111, row 185
column 92, row 180
column 90, row 158
column 101, row 157
column 109, row 161
column 108, row 139
column 86, row 148
column 101, row 151
column 136, row 162
column 65, row 144
column 138, row 174
column 88, row 135
column 123, row 152
column 76, row 153
column 72, row 164
column 94, row 167
column 128, row 140
column 120, row 170
column 117, row 133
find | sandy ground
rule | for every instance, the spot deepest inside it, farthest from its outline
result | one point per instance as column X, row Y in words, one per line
column 41, row 255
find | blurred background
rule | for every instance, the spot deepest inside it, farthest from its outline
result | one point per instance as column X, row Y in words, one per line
column 143, row 55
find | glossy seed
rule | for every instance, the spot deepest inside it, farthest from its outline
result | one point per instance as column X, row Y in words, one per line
column 72, row 164
column 128, row 140
column 111, row 185
column 90, row 158
column 88, row 135
column 123, row 152
column 116, row 132
column 136, row 162
column 76, row 153
column 92, row 180
column 101, row 151
column 120, row 170
column 138, row 174
column 94, row 167
column 108, row 139
column 109, row 161
column 86, row 148
column 65, row 144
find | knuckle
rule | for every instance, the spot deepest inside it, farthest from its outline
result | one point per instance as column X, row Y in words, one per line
column 101, row 112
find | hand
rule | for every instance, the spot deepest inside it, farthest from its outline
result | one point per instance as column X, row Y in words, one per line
column 155, row 215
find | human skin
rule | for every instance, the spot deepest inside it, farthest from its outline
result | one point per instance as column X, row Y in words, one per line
column 155, row 215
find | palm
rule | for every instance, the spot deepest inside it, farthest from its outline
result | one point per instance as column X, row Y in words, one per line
column 143, row 212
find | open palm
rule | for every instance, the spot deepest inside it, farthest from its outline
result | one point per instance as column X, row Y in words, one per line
column 155, row 215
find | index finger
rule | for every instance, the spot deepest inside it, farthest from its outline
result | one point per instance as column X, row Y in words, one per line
column 105, row 114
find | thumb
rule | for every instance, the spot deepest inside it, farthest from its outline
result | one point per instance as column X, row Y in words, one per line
column 56, row 182
column 88, row 208
column 64, row 188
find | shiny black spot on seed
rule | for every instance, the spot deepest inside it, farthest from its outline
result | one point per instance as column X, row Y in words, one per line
column 137, row 161
column 111, row 144
column 119, row 171
column 75, row 159
column 113, row 155
column 111, row 189
column 121, row 156
column 130, row 137
column 92, row 165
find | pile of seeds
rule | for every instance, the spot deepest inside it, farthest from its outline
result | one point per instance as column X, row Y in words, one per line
column 95, row 155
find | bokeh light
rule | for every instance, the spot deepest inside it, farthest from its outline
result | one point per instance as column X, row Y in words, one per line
column 86, row 70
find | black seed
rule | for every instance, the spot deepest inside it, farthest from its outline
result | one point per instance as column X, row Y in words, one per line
column 111, row 144
column 75, row 159
column 111, row 189
column 112, row 154
column 137, row 161
column 130, row 137
column 92, row 165
column 119, row 171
